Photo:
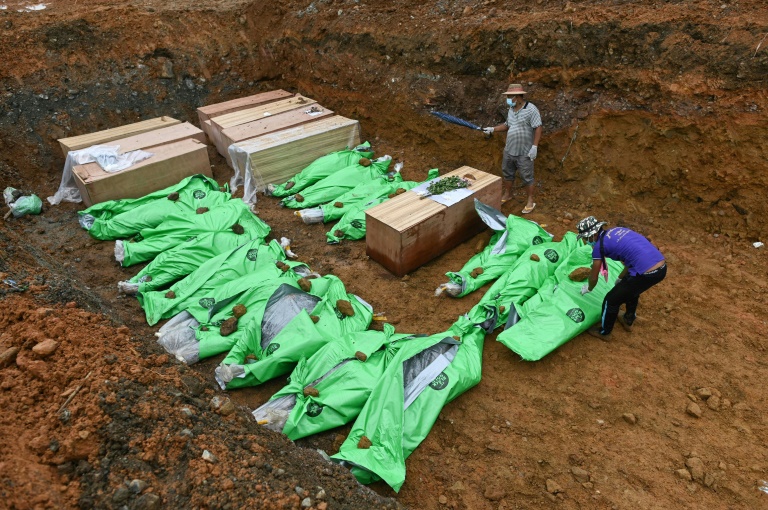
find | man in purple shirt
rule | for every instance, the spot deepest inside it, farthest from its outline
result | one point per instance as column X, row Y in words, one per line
column 644, row 267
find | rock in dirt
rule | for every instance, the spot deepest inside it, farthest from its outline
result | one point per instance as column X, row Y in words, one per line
column 580, row 274
column 713, row 403
column 228, row 327
column 704, row 393
column 694, row 410
column 442, row 499
column 696, row 466
column 629, row 418
column 553, row 487
column 345, row 307
column 121, row 495
column 581, row 475
column 137, row 486
column 306, row 503
column 8, row 356
column 226, row 408
column 494, row 493
column 45, row 348
column 239, row 310
column 148, row 501
column 684, row 474
column 209, row 457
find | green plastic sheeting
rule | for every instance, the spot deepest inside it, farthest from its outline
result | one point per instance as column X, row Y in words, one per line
column 343, row 372
column 176, row 229
column 425, row 375
column 558, row 312
column 351, row 226
column 513, row 236
column 152, row 214
column 104, row 211
column 249, row 258
column 321, row 168
column 338, row 183
column 521, row 281
column 265, row 351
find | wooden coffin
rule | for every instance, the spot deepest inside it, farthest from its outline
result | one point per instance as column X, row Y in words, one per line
column 408, row 231
column 161, row 136
column 169, row 164
column 222, row 122
column 278, row 156
column 74, row 143
column 205, row 113
column 272, row 123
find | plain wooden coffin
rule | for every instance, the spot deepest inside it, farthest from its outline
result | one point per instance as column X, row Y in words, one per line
column 276, row 157
column 168, row 165
column 272, row 123
column 218, row 124
column 408, row 230
column 161, row 136
column 205, row 113
column 74, row 143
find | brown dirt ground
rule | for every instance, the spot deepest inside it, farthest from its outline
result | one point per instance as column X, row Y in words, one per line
column 654, row 117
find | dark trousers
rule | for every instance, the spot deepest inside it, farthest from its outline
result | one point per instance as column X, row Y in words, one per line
column 627, row 291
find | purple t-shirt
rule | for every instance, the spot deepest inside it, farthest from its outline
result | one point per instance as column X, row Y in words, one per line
column 632, row 249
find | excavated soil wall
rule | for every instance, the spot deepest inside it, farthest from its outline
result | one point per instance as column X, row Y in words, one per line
column 654, row 117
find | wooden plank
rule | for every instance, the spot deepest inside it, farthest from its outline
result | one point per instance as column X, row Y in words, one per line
column 278, row 156
column 161, row 136
column 408, row 231
column 258, row 112
column 272, row 123
column 169, row 164
column 205, row 113
column 74, row 143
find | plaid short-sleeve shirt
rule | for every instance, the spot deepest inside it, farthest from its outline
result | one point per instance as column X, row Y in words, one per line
column 521, row 126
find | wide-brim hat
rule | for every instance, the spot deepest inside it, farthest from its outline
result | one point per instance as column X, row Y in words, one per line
column 515, row 89
column 589, row 226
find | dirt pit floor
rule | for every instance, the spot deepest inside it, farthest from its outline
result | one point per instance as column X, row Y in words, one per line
column 654, row 117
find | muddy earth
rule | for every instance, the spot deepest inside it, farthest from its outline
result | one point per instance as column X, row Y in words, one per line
column 654, row 117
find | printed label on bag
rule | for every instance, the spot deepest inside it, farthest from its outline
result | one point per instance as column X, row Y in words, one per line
column 537, row 240
column 440, row 382
column 552, row 255
column 252, row 254
column 314, row 409
column 576, row 315
column 207, row 302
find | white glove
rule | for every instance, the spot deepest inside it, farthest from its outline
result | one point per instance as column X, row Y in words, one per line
column 533, row 152
column 618, row 281
column 585, row 289
column 488, row 130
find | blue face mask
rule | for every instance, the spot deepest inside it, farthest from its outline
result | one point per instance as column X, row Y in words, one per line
column 510, row 102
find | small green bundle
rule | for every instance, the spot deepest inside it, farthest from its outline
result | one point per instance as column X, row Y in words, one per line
column 449, row 183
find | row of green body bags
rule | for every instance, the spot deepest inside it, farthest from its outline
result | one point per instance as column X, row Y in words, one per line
column 394, row 384
column 512, row 236
column 321, row 168
column 538, row 300
column 233, row 219
column 338, row 183
column 200, row 304
column 124, row 218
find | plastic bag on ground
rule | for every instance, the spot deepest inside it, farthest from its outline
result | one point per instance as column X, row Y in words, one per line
column 177, row 337
column 558, row 312
column 513, row 236
column 424, row 375
column 341, row 376
column 337, row 184
column 351, row 226
column 21, row 204
column 234, row 216
column 320, row 168
column 105, row 155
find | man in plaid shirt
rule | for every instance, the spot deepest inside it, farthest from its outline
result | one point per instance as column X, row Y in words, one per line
column 523, row 127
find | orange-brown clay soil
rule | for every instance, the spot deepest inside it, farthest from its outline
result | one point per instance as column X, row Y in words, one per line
column 654, row 117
